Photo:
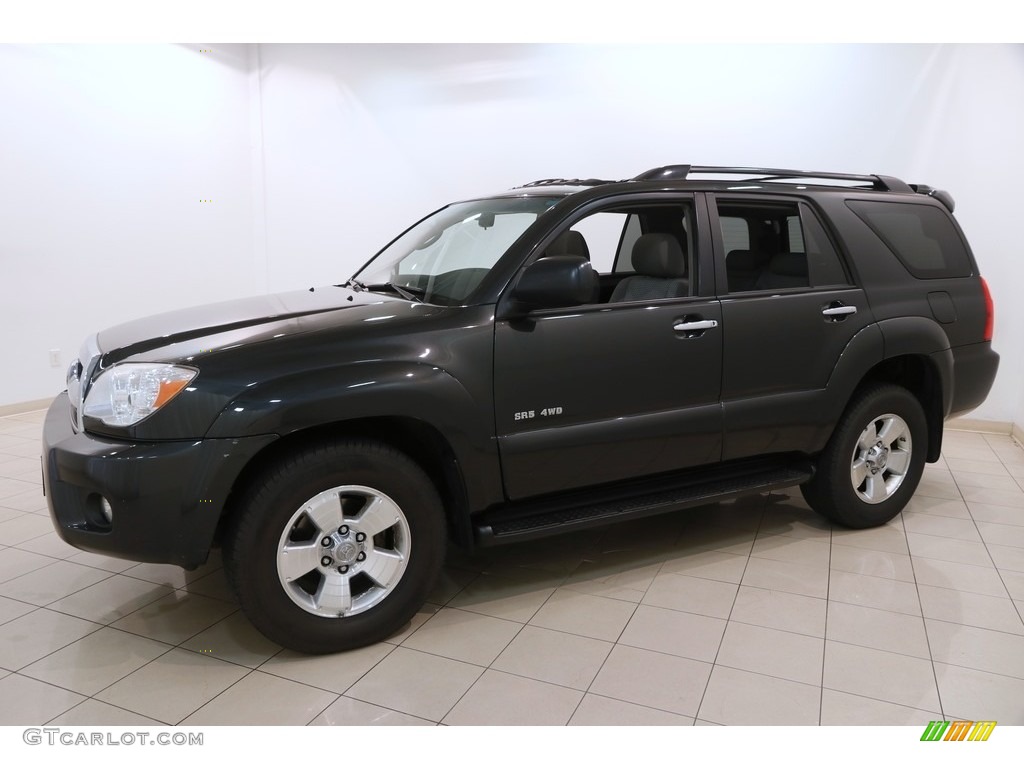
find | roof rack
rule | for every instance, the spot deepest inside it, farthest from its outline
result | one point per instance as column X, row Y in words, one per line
column 565, row 182
column 681, row 172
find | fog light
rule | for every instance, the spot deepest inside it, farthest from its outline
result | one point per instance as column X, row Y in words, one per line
column 106, row 510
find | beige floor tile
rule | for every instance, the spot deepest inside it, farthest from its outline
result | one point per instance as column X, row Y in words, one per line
column 103, row 562
column 463, row 636
column 993, row 466
column 10, row 487
column 811, row 552
column 939, row 489
column 499, row 698
column 780, row 610
column 175, row 618
column 873, row 628
column 1001, row 653
column 885, row 538
column 617, row 582
column 173, row 686
column 1003, row 482
column 602, row 711
column 811, row 581
column 1007, row 558
column 336, row 672
column 969, row 694
column 418, row 684
column 838, row 708
column 871, row 562
column 506, row 597
column 1014, row 584
column 938, row 525
column 214, row 585
column 51, row 545
column 995, row 496
column 29, row 702
column 658, row 680
column 8, row 514
column 674, row 632
column 169, row 575
column 789, row 519
column 874, row 592
column 554, row 657
column 29, row 501
column 89, row 665
column 92, row 713
column 234, row 639
column 111, row 599
column 994, row 513
column 421, row 617
column 24, row 527
column 346, row 711
column 882, row 675
column 951, row 550
column 700, row 535
column 927, row 505
column 1004, row 535
column 966, row 578
column 52, row 582
column 450, row 583
column 261, row 699
column 708, row 564
column 694, row 595
column 12, row 609
column 37, row 634
column 996, row 613
column 953, row 449
column 772, row 652
column 599, row 617
column 738, row 697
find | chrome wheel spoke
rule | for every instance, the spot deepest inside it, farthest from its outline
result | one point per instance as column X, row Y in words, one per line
column 899, row 462
column 296, row 560
column 892, row 430
column 384, row 568
column 868, row 437
column 875, row 489
column 379, row 515
column 858, row 472
column 333, row 595
column 324, row 511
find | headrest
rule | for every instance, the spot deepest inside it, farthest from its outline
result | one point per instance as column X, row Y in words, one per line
column 791, row 264
column 569, row 243
column 745, row 261
column 658, row 255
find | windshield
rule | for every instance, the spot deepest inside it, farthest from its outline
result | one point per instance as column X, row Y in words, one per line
column 442, row 259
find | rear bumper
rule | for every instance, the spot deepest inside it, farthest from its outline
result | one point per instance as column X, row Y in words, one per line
column 974, row 370
column 166, row 497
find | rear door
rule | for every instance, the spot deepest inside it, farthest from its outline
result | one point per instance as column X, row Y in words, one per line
column 789, row 309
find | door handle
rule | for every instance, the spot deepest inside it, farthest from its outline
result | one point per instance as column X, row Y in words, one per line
column 838, row 311
column 694, row 326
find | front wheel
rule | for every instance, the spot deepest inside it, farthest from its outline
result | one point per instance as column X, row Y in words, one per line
column 336, row 547
column 874, row 461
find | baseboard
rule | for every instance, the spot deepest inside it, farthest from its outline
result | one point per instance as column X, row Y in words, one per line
column 31, row 405
column 982, row 425
column 1018, row 434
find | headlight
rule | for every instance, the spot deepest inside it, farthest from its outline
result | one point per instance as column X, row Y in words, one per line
column 127, row 393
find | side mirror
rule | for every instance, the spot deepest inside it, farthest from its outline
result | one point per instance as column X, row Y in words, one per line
column 555, row 281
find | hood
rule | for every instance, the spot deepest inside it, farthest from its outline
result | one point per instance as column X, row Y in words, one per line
column 197, row 330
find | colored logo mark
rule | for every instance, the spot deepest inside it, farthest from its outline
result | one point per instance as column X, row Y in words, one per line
column 958, row 730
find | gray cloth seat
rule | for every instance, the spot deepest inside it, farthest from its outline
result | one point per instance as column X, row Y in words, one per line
column 660, row 265
column 785, row 270
column 569, row 243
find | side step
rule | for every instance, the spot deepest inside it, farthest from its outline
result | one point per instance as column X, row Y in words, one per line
column 523, row 523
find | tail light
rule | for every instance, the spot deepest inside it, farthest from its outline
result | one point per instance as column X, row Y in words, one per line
column 989, row 310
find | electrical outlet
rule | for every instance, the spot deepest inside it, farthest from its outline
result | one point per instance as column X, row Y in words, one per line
column 55, row 358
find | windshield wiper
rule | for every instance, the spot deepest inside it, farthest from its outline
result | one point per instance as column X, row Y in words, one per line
column 406, row 292
column 354, row 284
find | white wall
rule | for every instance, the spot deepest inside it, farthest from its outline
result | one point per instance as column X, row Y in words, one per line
column 352, row 143
column 105, row 154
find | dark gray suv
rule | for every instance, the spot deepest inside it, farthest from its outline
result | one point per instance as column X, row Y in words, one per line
column 557, row 356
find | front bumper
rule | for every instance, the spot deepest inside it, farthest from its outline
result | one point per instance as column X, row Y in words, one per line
column 166, row 497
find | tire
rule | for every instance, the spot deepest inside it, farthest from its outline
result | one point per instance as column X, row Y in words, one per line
column 872, row 464
column 336, row 547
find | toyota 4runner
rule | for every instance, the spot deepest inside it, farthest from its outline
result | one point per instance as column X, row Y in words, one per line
column 562, row 355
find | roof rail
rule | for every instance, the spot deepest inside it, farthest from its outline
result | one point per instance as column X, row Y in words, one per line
column 681, row 172
column 939, row 194
column 565, row 182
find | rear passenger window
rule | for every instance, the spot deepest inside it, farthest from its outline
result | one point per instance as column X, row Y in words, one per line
column 776, row 246
column 922, row 237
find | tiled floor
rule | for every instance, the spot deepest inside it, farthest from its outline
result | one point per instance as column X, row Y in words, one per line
column 750, row 612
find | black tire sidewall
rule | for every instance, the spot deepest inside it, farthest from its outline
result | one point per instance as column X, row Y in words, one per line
column 253, row 555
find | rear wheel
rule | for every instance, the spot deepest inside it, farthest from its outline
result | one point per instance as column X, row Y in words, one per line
column 336, row 547
column 874, row 461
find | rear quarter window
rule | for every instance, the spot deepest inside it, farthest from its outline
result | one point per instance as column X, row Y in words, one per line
column 922, row 237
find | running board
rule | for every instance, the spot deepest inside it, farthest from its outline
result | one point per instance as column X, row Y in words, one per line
column 520, row 524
